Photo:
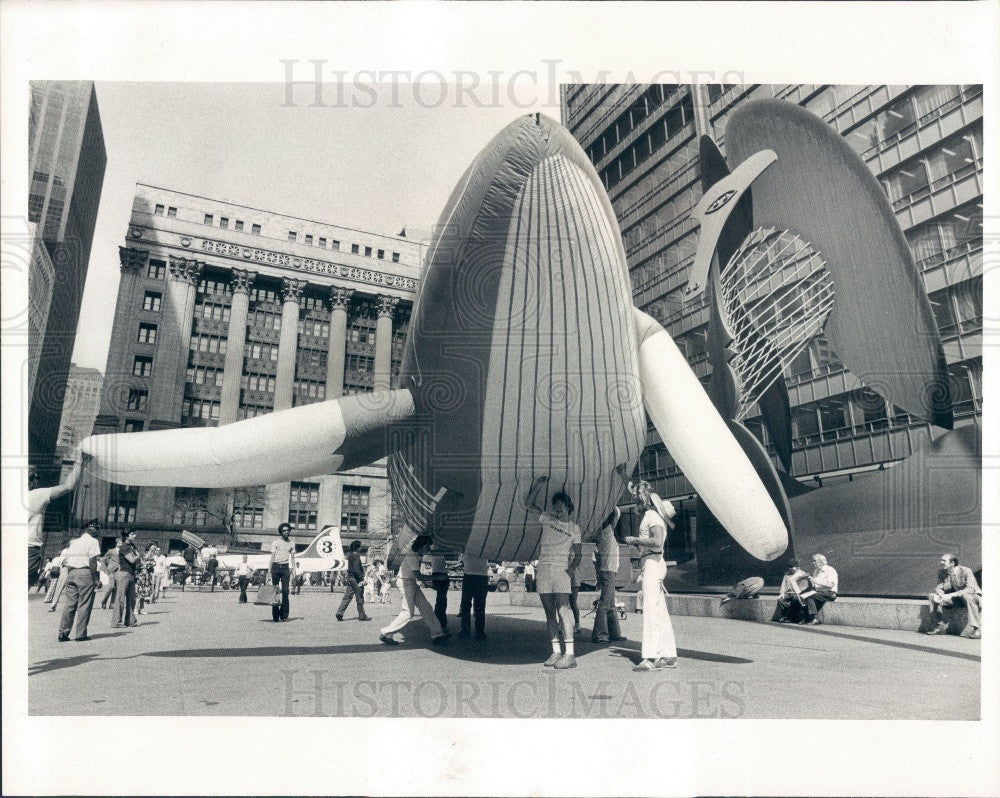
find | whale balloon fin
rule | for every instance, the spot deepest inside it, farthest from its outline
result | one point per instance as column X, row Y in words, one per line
column 297, row 443
column 703, row 446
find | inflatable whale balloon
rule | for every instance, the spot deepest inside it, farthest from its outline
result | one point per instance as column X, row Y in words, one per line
column 525, row 358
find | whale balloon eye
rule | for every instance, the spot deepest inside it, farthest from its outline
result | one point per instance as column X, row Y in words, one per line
column 721, row 201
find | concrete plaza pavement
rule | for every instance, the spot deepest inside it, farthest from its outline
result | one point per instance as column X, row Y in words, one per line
column 200, row 653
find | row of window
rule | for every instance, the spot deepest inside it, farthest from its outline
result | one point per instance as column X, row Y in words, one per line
column 261, row 351
column 356, row 249
column 652, row 140
column 204, row 342
column 171, row 211
column 238, row 225
column 200, row 408
column 213, row 312
column 651, row 99
column 310, row 388
column 200, row 375
column 191, row 508
column 263, row 383
column 954, row 157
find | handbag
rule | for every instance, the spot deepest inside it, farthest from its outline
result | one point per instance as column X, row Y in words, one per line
column 266, row 594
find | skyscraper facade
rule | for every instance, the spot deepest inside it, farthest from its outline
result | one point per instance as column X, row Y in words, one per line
column 83, row 400
column 925, row 146
column 225, row 312
column 66, row 169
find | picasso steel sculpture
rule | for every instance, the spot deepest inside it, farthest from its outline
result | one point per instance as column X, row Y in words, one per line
column 525, row 358
column 799, row 237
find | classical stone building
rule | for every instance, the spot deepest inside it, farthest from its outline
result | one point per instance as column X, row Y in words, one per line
column 225, row 312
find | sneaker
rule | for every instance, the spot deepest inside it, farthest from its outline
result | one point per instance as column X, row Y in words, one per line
column 814, row 622
column 972, row 632
column 940, row 629
column 645, row 665
column 665, row 662
column 552, row 660
column 564, row 662
column 389, row 641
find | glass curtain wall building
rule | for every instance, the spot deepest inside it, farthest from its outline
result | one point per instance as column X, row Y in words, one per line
column 925, row 146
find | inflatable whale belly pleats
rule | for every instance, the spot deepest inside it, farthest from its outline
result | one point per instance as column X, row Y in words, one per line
column 297, row 443
column 712, row 460
column 526, row 303
column 821, row 191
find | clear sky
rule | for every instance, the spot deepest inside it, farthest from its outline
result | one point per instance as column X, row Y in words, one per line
column 379, row 168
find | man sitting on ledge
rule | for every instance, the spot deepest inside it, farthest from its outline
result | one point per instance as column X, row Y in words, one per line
column 957, row 588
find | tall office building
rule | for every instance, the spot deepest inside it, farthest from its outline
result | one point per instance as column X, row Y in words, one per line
column 83, row 400
column 226, row 312
column 925, row 146
column 67, row 160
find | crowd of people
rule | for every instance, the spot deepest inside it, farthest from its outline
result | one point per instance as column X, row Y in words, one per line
column 126, row 580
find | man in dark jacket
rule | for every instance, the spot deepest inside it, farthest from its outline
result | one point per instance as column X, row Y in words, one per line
column 352, row 582
column 128, row 561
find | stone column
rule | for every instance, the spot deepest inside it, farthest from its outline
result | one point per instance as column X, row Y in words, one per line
column 386, row 306
column 291, row 293
column 173, row 342
column 125, row 327
column 340, row 299
column 240, row 285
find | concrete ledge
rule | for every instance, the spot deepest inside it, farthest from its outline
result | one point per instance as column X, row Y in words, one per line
column 872, row 613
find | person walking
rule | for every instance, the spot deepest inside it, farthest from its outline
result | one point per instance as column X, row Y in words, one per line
column 159, row 573
column 129, row 560
column 606, row 625
column 109, row 562
column 475, row 587
column 440, row 583
column 81, row 561
column 281, row 567
column 353, row 580
column 414, row 600
column 559, row 555
column 385, row 583
column 243, row 572
column 659, row 649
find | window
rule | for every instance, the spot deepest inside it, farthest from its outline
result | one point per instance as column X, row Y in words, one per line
column 209, row 219
column 137, row 399
column 354, row 510
column 303, row 503
column 158, row 210
column 334, row 244
column 151, row 300
column 200, row 408
column 133, row 425
column 368, row 252
column 122, row 510
column 147, row 333
column 833, row 417
column 213, row 344
column 224, row 222
column 255, row 229
column 172, row 213
column 249, row 517
column 804, row 421
column 870, row 407
column 395, row 257
column 292, row 236
column 381, row 254
column 190, row 506
column 142, row 366
column 302, row 518
column 355, row 249
column 238, row 226
column 322, row 242
column 157, row 269
column 309, row 240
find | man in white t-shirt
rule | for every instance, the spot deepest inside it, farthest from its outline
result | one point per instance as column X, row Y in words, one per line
column 38, row 500
column 159, row 572
column 282, row 567
column 82, row 579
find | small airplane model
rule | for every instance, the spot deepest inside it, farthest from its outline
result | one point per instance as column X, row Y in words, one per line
column 324, row 553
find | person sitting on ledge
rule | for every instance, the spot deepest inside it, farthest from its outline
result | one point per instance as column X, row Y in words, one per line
column 824, row 588
column 957, row 587
column 791, row 605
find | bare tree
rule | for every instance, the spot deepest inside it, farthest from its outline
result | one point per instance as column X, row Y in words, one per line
column 243, row 508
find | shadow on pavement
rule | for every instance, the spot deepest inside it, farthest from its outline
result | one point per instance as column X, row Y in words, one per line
column 264, row 651
column 892, row 643
column 56, row 664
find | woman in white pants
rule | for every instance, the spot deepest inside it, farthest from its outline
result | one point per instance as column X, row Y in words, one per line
column 413, row 598
column 659, row 650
